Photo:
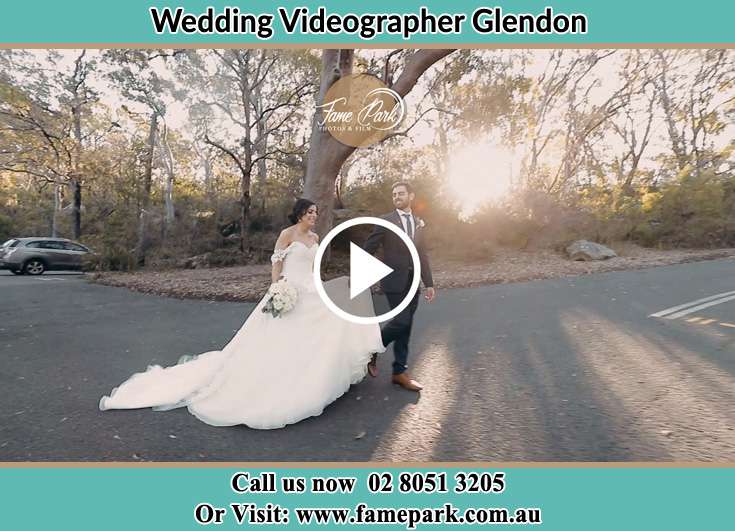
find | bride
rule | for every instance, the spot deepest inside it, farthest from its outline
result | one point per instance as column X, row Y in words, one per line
column 274, row 371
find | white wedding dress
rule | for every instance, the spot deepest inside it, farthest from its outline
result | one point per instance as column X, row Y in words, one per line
column 274, row 371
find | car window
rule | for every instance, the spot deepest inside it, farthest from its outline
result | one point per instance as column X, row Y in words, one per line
column 70, row 246
column 11, row 243
column 46, row 244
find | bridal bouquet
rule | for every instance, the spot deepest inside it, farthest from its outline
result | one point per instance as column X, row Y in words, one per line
column 282, row 299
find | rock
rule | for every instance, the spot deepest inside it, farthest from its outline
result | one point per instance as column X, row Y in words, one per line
column 583, row 250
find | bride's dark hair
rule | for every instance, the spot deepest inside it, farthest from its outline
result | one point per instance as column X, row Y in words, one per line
column 299, row 209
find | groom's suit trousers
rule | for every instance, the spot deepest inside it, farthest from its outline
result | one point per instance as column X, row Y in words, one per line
column 398, row 330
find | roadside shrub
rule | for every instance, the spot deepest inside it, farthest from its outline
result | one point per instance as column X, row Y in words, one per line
column 110, row 259
column 7, row 228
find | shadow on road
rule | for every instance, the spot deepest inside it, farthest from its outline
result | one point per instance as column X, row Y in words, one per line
column 543, row 371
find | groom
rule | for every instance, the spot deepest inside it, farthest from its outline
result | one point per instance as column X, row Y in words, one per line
column 397, row 284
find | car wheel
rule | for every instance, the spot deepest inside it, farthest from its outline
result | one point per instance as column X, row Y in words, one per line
column 34, row 266
column 16, row 271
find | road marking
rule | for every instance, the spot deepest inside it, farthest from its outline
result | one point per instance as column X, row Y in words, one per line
column 694, row 319
column 716, row 299
column 708, row 321
column 729, row 325
column 700, row 307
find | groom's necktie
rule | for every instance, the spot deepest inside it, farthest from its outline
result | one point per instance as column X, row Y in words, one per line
column 409, row 225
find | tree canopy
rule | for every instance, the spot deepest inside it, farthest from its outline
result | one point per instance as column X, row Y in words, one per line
column 152, row 156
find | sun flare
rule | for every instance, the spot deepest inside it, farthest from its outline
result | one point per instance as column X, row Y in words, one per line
column 478, row 174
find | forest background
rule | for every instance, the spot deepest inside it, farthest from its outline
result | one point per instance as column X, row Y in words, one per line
column 152, row 157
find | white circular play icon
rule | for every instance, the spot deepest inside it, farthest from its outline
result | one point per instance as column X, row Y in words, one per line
column 366, row 270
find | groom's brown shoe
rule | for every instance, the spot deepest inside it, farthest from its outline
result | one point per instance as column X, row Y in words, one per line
column 406, row 382
column 373, row 366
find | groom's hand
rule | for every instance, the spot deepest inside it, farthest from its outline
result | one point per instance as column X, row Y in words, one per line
column 430, row 294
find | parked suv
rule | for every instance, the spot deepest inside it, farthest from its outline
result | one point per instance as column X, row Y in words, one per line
column 33, row 256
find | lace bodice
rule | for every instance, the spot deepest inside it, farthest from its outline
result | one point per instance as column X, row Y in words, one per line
column 298, row 263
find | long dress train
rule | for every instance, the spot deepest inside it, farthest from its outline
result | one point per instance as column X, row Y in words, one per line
column 274, row 371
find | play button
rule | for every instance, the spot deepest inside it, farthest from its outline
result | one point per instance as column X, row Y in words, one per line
column 365, row 270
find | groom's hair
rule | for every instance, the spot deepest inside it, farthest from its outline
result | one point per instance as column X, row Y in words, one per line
column 407, row 186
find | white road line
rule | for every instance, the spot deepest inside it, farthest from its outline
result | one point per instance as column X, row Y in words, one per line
column 673, row 309
column 700, row 307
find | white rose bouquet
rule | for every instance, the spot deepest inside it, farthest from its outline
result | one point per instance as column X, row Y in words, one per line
column 281, row 298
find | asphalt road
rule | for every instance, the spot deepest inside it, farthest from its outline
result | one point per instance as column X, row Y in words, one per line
column 558, row 370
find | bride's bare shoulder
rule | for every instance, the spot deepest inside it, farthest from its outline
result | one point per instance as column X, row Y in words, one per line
column 314, row 236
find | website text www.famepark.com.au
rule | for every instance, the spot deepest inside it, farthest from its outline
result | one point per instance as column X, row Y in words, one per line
column 411, row 517
column 378, row 483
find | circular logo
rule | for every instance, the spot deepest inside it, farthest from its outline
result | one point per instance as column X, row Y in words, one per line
column 414, row 282
column 360, row 110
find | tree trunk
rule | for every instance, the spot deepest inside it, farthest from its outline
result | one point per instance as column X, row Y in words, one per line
column 244, row 215
column 76, row 197
column 143, row 215
column 246, row 167
column 208, row 177
column 58, row 206
column 76, row 180
column 442, row 153
column 78, row 90
column 326, row 155
column 677, row 143
column 261, row 149
column 321, row 172
column 341, row 185
column 168, row 195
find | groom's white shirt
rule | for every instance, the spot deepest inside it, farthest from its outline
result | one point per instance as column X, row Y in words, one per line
column 402, row 216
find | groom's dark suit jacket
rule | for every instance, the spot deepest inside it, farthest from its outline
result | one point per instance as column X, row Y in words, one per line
column 397, row 257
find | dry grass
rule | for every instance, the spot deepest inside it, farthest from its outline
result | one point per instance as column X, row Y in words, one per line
column 248, row 283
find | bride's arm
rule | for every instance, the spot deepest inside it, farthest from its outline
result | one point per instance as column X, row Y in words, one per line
column 279, row 253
